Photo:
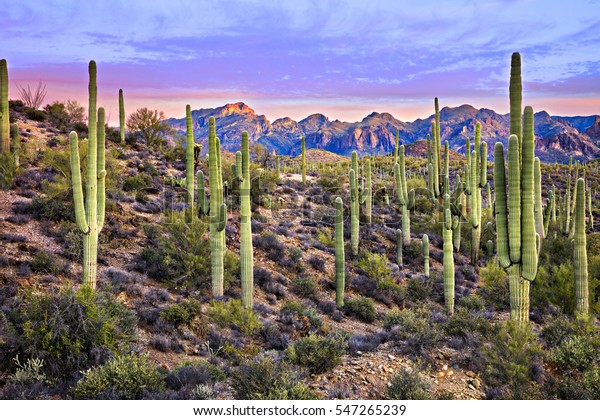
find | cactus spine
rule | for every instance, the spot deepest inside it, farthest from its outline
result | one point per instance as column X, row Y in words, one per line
column 340, row 258
column 218, row 210
column 121, row 117
column 4, row 112
column 426, row 254
column 580, row 264
column 189, row 159
column 448, row 262
column 303, row 160
column 246, row 253
column 90, row 218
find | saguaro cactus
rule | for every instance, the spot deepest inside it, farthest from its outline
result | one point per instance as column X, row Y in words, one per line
column 403, row 196
column 399, row 248
column 218, row 210
column 368, row 192
column 303, row 160
column 516, row 98
column 448, row 262
column 580, row 264
column 4, row 112
column 537, row 199
column 426, row 254
column 121, row 117
column 517, row 241
column 354, row 206
column 90, row 218
column 189, row 158
column 340, row 257
column 246, row 252
column 16, row 145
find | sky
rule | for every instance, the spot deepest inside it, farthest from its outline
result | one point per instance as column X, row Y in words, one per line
column 344, row 59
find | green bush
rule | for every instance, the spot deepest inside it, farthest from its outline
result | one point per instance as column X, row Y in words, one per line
column 578, row 352
column 181, row 313
column 232, row 312
column 510, row 364
column 408, row 385
column 269, row 378
column 137, row 182
column 296, row 308
column 414, row 325
column 306, row 286
column 554, row 286
column 46, row 263
column 35, row 115
column 325, row 237
column 68, row 327
column 472, row 303
column 362, row 308
column 8, row 170
column 377, row 268
column 317, row 353
column 495, row 286
column 464, row 322
column 125, row 377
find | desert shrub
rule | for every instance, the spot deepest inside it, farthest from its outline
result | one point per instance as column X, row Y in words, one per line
column 416, row 327
column 464, row 322
column 273, row 337
column 46, row 263
column 137, row 182
column 306, row 286
column 408, row 385
column 55, row 209
column 35, row 114
column 72, row 239
column 178, row 254
column 576, row 352
column 361, row 308
column 377, row 268
column 191, row 374
column 472, row 303
column 325, row 236
column 512, row 363
column 270, row 378
column 317, row 263
column 318, row 353
column 70, row 329
column 181, row 313
column 495, row 286
column 8, row 171
column 125, row 377
column 420, row 288
column 554, row 287
column 557, row 330
column 302, row 314
column 233, row 312
column 271, row 245
column 332, row 180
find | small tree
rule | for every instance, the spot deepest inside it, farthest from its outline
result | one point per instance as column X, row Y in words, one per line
column 150, row 125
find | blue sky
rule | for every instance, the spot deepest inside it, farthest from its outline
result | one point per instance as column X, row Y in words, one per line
column 293, row 58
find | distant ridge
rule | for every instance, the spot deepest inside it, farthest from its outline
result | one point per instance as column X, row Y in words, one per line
column 557, row 137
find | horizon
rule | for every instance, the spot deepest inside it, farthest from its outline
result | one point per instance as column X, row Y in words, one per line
column 285, row 59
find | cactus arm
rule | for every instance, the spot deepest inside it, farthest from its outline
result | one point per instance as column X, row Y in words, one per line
column 502, row 242
column 537, row 203
column 448, row 262
column 514, row 199
column 515, row 97
column 202, row 201
column 121, row 117
column 101, row 169
column 76, row 181
column 528, row 237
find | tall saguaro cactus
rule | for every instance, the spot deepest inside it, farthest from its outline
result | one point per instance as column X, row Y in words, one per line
column 90, row 218
column 403, row 196
column 218, row 210
column 121, row 117
column 303, row 160
column 580, row 264
column 426, row 254
column 246, row 253
column 368, row 192
column 516, row 98
column 478, row 179
column 340, row 257
column 189, row 158
column 448, row 262
column 354, row 207
column 4, row 112
column 517, row 241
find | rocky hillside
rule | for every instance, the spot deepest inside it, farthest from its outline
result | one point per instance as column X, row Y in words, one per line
column 557, row 137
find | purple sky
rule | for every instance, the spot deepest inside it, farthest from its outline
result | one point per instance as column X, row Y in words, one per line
column 344, row 59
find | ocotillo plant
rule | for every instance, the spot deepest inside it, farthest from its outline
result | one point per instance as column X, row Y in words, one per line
column 426, row 254
column 189, row 159
column 4, row 112
column 448, row 262
column 517, row 241
column 246, row 254
column 121, row 117
column 340, row 258
column 580, row 264
column 90, row 218
column 218, row 210
column 303, row 160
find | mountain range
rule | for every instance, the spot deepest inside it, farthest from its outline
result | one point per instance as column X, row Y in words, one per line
column 556, row 137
